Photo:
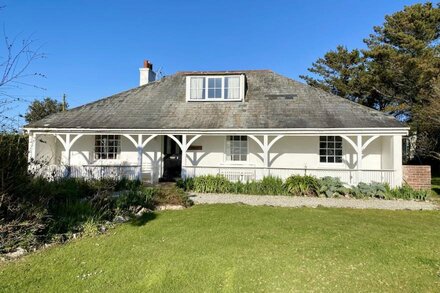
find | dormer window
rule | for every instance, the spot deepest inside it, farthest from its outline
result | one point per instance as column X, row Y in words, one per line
column 215, row 88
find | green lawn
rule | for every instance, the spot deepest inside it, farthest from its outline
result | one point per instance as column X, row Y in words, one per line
column 242, row 248
column 435, row 182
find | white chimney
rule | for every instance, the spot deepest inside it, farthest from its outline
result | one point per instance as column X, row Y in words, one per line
column 147, row 74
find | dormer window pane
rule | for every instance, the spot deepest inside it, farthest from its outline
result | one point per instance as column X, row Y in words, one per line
column 232, row 87
column 197, row 88
column 214, row 88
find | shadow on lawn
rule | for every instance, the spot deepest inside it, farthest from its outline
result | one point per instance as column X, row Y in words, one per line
column 142, row 220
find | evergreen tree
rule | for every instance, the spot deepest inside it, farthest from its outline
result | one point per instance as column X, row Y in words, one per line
column 395, row 72
column 37, row 110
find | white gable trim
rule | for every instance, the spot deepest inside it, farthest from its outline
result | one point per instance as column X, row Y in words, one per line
column 258, row 131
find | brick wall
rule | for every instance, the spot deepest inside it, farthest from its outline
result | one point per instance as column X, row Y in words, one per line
column 417, row 176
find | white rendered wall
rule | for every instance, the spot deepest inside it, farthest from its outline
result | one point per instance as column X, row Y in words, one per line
column 288, row 152
column 387, row 152
column 45, row 149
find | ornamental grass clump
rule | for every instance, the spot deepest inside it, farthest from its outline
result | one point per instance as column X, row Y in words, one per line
column 136, row 198
column 272, row 185
column 211, row 184
column 408, row 193
column 302, row 185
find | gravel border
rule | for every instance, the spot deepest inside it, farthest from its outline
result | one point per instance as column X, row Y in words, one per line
column 313, row 202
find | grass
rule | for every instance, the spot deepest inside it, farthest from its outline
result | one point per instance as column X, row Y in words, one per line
column 242, row 248
column 435, row 184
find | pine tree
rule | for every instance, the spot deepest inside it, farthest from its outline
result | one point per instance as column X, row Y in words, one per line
column 37, row 110
column 395, row 72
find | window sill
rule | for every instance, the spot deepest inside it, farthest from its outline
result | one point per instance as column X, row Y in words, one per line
column 331, row 165
column 237, row 163
column 107, row 161
column 214, row 100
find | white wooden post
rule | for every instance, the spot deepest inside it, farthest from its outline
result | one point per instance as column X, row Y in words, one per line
column 67, row 146
column 265, row 147
column 266, row 154
column 184, row 149
column 359, row 158
column 139, row 160
column 32, row 146
column 397, row 161
column 32, row 151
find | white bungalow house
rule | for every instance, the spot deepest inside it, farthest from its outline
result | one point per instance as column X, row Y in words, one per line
column 241, row 124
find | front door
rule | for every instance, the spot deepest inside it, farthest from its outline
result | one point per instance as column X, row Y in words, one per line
column 172, row 160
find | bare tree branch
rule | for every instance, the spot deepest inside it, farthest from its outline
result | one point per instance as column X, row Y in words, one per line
column 16, row 58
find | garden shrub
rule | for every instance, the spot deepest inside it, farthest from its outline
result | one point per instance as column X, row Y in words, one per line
column 406, row 192
column 331, row 187
column 371, row 190
column 38, row 211
column 136, row 198
column 171, row 195
column 211, row 184
column 186, row 184
column 90, row 227
column 383, row 191
column 302, row 185
column 272, row 185
column 220, row 184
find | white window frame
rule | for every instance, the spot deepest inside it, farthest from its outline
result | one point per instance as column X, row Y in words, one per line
column 190, row 89
column 232, row 162
column 222, row 87
column 222, row 99
column 117, row 154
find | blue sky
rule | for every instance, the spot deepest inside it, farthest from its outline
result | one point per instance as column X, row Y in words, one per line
column 94, row 48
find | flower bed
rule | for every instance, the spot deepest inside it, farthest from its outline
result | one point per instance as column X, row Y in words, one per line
column 300, row 186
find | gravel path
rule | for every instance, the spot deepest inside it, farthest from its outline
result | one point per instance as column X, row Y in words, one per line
column 296, row 201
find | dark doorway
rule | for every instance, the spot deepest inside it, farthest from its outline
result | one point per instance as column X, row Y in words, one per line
column 172, row 160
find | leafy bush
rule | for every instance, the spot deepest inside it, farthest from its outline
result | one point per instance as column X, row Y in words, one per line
column 172, row 195
column 90, row 227
column 143, row 198
column 302, row 185
column 212, row 184
column 372, row 190
column 220, row 184
column 272, row 185
column 383, row 191
column 186, row 184
column 331, row 187
column 406, row 192
column 37, row 210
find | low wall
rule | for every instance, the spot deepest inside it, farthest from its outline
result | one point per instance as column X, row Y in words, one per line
column 417, row 176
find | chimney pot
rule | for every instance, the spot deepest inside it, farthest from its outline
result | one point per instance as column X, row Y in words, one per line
column 147, row 64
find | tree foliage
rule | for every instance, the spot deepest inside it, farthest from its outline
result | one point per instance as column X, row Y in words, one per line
column 37, row 110
column 428, row 138
column 397, row 72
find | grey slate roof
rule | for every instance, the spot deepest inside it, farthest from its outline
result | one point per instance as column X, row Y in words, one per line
column 271, row 101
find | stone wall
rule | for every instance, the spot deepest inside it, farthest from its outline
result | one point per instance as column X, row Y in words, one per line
column 417, row 176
